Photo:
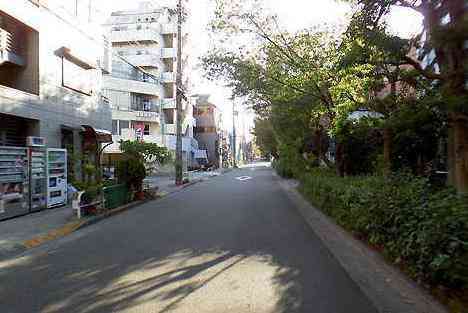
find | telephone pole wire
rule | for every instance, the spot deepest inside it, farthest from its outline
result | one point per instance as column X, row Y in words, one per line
column 179, row 117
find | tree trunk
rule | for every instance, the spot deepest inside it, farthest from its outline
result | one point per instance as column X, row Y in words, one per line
column 459, row 148
column 387, row 151
column 451, row 181
column 340, row 159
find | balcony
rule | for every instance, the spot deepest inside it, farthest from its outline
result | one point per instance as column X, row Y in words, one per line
column 168, row 103
column 168, row 53
column 153, row 139
column 168, row 77
column 145, row 105
column 132, row 35
column 189, row 144
column 131, row 86
column 129, row 134
column 144, row 60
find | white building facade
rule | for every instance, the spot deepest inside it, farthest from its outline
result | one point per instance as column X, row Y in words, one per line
column 52, row 61
column 141, row 87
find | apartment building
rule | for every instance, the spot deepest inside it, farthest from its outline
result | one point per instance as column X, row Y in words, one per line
column 51, row 64
column 207, row 131
column 141, row 86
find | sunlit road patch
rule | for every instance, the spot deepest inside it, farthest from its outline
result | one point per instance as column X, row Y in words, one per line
column 243, row 178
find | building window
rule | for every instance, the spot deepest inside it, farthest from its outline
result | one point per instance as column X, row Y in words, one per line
column 146, row 131
column 115, row 127
column 123, row 125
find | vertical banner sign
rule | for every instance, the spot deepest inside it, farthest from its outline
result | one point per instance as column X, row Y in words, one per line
column 139, row 129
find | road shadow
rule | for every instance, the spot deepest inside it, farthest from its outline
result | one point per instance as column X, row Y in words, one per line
column 157, row 257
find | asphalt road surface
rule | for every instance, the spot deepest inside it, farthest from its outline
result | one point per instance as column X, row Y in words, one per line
column 223, row 245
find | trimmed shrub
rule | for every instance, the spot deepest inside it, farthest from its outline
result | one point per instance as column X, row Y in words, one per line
column 424, row 229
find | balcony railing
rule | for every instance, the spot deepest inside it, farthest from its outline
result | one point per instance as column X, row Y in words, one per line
column 133, row 35
column 168, row 103
column 146, row 60
column 151, row 106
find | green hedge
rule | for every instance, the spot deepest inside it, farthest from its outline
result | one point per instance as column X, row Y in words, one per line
column 425, row 230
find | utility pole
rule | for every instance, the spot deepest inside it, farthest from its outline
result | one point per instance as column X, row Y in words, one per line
column 179, row 162
column 234, row 148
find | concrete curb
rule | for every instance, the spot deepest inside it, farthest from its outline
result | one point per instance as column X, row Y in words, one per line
column 386, row 287
column 80, row 224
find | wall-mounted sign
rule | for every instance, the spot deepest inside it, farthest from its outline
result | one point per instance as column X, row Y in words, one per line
column 148, row 115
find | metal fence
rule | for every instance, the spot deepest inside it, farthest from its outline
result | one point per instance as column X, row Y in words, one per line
column 115, row 196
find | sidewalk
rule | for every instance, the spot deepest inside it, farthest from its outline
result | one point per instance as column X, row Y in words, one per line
column 167, row 184
column 14, row 232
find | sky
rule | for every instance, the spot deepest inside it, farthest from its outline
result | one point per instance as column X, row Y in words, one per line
column 293, row 15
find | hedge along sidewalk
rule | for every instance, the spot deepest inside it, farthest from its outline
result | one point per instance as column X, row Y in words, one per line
column 389, row 290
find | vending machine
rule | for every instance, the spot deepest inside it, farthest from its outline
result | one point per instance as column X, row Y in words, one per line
column 14, row 182
column 56, row 177
column 37, row 173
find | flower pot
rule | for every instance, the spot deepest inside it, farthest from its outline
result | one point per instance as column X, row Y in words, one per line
column 140, row 195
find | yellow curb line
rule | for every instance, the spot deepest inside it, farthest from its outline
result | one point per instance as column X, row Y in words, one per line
column 53, row 234
column 162, row 194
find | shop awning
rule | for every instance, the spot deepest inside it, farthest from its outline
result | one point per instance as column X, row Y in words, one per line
column 66, row 53
column 101, row 135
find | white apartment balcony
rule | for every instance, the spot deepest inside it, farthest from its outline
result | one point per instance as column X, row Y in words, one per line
column 145, row 60
column 153, row 139
column 129, row 134
column 168, row 29
column 132, row 35
column 168, row 77
column 131, row 86
column 139, row 116
column 168, row 103
column 189, row 144
column 168, row 53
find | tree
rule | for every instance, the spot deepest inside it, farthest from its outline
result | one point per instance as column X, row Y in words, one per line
column 446, row 31
column 151, row 154
column 265, row 138
column 138, row 156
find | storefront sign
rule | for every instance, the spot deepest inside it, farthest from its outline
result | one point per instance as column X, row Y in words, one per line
column 147, row 115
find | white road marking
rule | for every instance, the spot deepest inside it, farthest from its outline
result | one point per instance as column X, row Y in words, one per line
column 243, row 178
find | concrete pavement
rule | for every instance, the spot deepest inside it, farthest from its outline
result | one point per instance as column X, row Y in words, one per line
column 223, row 245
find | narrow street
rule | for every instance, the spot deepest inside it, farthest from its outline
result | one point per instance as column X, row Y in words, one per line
column 223, row 245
